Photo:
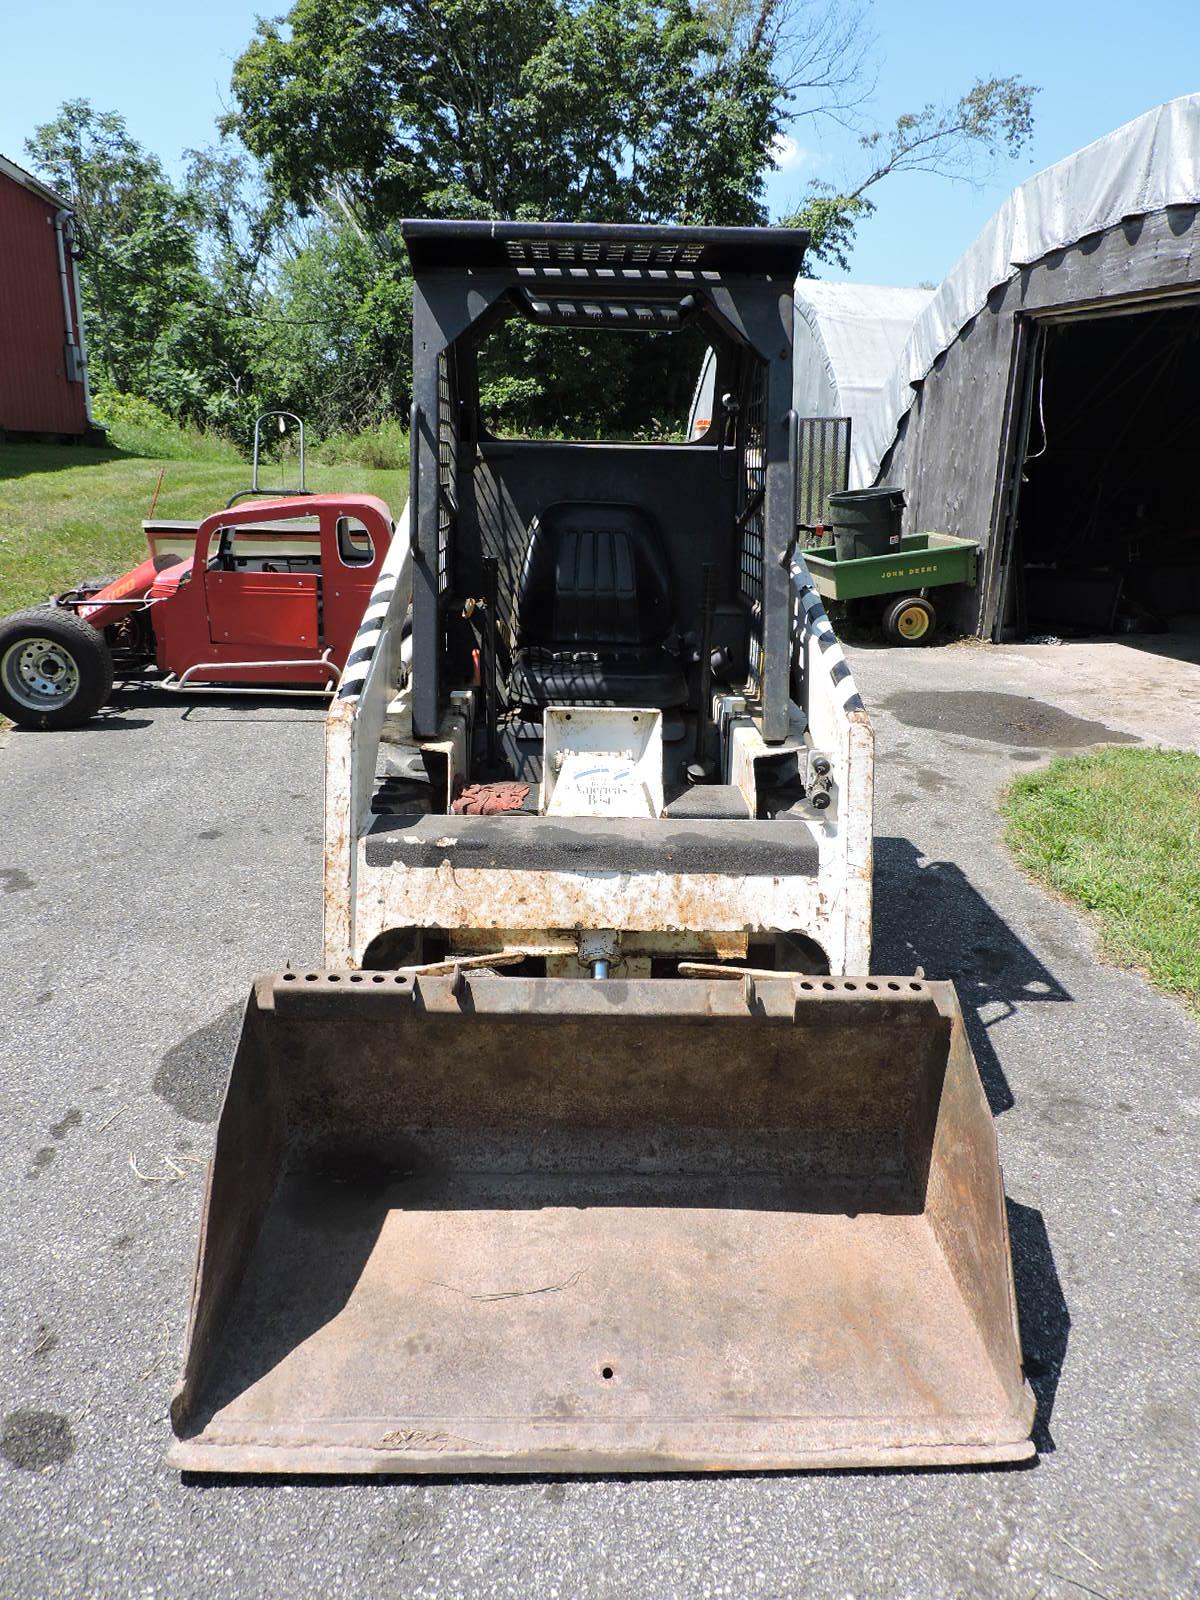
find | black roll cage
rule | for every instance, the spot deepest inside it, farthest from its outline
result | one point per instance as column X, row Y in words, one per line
column 737, row 283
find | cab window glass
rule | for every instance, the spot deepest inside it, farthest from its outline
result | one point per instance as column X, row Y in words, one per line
column 289, row 545
column 354, row 542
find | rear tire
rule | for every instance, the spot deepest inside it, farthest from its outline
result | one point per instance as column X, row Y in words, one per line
column 55, row 669
column 910, row 620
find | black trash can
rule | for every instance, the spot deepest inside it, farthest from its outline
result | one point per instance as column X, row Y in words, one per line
column 866, row 522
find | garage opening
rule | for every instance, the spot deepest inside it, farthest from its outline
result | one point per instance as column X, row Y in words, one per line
column 1107, row 529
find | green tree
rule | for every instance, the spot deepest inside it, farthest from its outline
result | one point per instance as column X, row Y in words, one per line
column 240, row 223
column 992, row 121
column 334, row 339
column 272, row 274
column 155, row 322
column 579, row 109
column 622, row 109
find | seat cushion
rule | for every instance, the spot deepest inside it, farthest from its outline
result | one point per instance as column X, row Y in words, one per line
column 595, row 575
column 650, row 677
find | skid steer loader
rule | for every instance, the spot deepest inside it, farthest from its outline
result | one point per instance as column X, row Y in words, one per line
column 594, row 1146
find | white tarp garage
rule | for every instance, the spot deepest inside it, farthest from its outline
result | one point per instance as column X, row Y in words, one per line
column 1046, row 401
column 848, row 338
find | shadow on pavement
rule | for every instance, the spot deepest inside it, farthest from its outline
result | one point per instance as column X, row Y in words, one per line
column 107, row 722
column 1180, row 643
column 930, row 915
column 1042, row 1313
column 102, row 722
column 555, row 1485
column 135, row 694
column 131, row 695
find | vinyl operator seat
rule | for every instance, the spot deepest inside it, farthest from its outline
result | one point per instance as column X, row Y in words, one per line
column 594, row 611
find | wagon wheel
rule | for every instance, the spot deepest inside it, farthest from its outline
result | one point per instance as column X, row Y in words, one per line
column 909, row 620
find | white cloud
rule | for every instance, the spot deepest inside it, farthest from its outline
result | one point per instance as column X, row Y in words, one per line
column 787, row 154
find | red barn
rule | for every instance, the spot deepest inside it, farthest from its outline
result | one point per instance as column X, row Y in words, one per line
column 43, row 366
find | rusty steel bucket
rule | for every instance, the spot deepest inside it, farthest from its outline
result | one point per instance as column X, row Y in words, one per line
column 490, row 1224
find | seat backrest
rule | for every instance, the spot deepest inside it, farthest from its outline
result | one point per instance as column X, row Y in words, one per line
column 595, row 574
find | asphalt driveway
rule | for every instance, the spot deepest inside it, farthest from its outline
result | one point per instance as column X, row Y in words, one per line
column 152, row 864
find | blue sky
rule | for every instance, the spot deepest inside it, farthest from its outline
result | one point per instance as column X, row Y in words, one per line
column 1098, row 62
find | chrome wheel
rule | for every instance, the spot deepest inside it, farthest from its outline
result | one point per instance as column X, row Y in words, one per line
column 40, row 674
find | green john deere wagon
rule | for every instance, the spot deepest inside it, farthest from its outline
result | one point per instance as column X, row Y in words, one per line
column 895, row 586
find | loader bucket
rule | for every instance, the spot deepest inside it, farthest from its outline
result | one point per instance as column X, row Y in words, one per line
column 490, row 1224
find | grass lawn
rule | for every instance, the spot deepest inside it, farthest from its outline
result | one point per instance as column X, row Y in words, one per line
column 68, row 513
column 1118, row 833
